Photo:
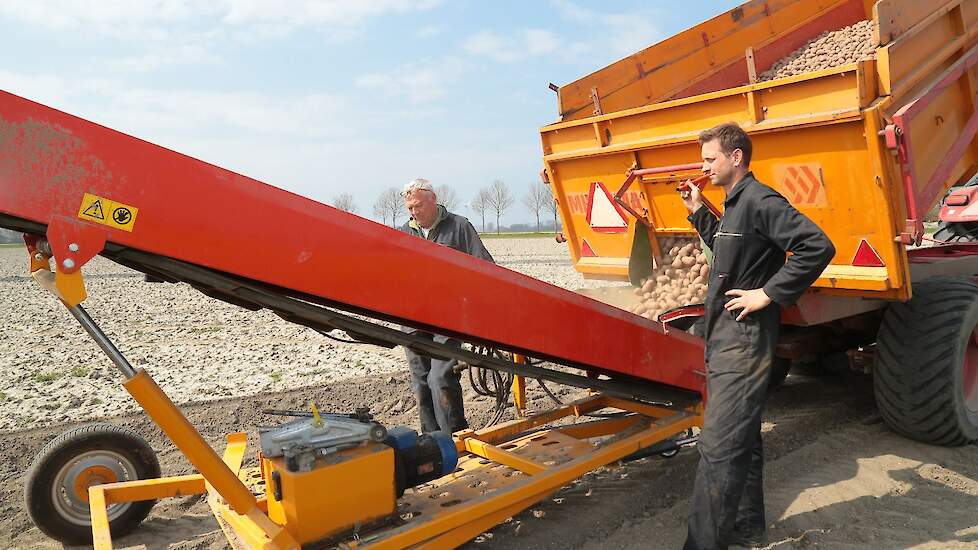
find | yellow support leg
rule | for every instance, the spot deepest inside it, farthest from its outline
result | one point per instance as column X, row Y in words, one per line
column 519, row 388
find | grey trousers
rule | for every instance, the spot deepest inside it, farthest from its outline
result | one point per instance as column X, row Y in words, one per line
column 436, row 387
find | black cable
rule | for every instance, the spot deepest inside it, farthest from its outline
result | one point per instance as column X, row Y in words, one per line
column 344, row 340
column 547, row 391
column 491, row 383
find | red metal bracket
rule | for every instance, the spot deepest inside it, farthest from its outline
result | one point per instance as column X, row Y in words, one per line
column 633, row 173
column 74, row 242
column 897, row 136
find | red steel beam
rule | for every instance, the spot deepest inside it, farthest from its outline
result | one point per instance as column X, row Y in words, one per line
column 205, row 215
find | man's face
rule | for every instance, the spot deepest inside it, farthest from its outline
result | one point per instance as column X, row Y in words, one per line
column 423, row 206
column 721, row 167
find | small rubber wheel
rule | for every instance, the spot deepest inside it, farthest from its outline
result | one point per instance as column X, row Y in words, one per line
column 56, row 492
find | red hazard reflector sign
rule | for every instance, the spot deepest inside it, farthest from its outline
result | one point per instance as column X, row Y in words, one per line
column 603, row 215
column 586, row 250
column 866, row 256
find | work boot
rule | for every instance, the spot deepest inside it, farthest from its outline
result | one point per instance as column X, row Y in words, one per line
column 748, row 540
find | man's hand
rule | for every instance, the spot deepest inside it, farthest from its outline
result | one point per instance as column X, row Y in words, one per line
column 749, row 300
column 691, row 196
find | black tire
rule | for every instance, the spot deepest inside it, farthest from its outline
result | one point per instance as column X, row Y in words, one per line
column 90, row 450
column 920, row 381
column 779, row 372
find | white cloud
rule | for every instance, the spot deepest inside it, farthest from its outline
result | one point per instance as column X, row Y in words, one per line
column 428, row 31
column 296, row 13
column 607, row 35
column 521, row 45
column 417, row 82
column 155, row 19
column 621, row 33
column 182, row 55
column 135, row 20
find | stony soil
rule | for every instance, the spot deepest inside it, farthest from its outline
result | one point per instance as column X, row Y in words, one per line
column 836, row 477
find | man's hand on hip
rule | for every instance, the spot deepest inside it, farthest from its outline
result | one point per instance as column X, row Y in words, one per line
column 748, row 301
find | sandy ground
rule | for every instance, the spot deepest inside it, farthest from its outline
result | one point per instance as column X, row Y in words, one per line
column 836, row 477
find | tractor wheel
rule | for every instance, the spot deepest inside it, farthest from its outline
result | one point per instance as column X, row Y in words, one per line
column 779, row 372
column 56, row 492
column 926, row 374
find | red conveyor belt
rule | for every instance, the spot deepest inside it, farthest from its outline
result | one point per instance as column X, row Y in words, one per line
column 211, row 217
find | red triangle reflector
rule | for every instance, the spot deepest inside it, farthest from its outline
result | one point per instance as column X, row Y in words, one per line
column 586, row 250
column 866, row 256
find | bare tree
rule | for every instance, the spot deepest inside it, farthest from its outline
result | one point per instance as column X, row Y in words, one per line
column 344, row 201
column 499, row 199
column 480, row 204
column 551, row 206
column 447, row 197
column 379, row 210
column 389, row 205
column 536, row 199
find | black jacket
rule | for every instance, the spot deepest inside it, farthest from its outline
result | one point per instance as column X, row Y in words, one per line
column 749, row 245
column 453, row 231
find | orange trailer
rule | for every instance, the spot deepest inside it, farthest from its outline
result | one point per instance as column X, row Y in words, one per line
column 863, row 149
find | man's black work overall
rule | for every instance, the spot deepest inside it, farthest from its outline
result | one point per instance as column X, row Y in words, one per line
column 749, row 244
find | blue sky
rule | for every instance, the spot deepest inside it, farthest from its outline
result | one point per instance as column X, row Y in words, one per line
column 326, row 97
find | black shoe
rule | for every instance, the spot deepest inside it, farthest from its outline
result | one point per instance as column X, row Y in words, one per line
column 748, row 540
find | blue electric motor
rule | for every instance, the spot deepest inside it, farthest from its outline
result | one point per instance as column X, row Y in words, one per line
column 420, row 459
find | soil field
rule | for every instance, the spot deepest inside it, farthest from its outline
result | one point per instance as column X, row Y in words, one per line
column 835, row 475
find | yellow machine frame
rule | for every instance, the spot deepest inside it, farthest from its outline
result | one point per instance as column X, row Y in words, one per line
column 501, row 470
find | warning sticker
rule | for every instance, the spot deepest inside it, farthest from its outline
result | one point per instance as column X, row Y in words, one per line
column 801, row 184
column 106, row 212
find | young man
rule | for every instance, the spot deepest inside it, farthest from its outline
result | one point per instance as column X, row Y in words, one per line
column 434, row 381
column 749, row 282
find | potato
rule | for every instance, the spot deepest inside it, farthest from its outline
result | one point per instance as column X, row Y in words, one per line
column 678, row 262
column 673, row 251
column 829, row 49
column 688, row 260
column 648, row 285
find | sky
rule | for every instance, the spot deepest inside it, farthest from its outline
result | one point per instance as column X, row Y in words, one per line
column 323, row 97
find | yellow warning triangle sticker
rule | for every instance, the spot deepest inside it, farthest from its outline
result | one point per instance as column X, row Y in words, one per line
column 95, row 211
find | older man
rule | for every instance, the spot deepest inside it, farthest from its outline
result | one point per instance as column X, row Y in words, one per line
column 434, row 381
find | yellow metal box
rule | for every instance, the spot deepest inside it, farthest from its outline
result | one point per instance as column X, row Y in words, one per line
column 352, row 487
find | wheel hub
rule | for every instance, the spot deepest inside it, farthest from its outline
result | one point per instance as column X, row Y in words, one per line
column 70, row 489
column 91, row 476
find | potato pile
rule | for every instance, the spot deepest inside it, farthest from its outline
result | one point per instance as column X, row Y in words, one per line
column 829, row 49
column 679, row 278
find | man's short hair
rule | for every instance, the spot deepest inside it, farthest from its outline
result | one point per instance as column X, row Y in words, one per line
column 419, row 184
column 731, row 136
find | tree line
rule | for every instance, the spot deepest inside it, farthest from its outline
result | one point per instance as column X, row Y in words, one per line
column 493, row 200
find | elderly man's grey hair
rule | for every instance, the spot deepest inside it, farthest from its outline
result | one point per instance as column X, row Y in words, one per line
column 419, row 184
